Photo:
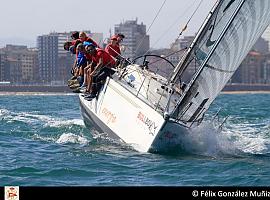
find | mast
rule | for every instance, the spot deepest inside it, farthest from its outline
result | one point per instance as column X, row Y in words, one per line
column 182, row 65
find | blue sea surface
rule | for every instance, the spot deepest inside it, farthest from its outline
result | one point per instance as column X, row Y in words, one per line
column 44, row 142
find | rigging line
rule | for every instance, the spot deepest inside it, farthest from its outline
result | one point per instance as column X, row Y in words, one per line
column 170, row 54
column 119, row 54
column 150, row 26
column 167, row 30
column 185, row 27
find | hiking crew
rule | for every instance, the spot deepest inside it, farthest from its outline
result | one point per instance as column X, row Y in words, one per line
column 92, row 64
column 104, row 64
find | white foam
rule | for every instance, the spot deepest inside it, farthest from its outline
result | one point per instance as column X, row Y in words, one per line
column 44, row 138
column 238, row 139
column 61, row 122
column 250, row 139
column 207, row 140
column 252, row 145
column 30, row 118
column 3, row 112
column 47, row 120
column 71, row 138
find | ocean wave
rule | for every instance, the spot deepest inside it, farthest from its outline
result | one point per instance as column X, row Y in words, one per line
column 61, row 122
column 37, row 94
column 4, row 112
column 250, row 138
column 44, row 138
column 33, row 118
column 67, row 138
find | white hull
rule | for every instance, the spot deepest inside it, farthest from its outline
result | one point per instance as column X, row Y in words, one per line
column 121, row 115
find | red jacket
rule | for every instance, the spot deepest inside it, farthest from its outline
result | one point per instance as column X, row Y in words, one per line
column 108, row 61
column 113, row 50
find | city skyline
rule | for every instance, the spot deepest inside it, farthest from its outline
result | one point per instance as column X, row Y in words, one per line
column 31, row 18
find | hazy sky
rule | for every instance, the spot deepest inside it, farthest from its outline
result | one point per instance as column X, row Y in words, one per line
column 24, row 20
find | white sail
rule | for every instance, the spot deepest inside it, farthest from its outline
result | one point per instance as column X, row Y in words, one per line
column 228, row 36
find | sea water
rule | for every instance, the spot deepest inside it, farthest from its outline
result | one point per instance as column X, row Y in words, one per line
column 44, row 142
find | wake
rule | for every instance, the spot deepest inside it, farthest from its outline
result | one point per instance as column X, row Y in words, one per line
column 233, row 140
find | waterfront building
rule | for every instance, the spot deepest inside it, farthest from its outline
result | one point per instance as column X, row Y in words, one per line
column 3, row 75
column 136, row 40
column 48, row 57
column 266, row 36
column 18, row 64
column 250, row 70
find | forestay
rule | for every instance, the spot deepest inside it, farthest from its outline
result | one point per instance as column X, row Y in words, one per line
column 226, row 38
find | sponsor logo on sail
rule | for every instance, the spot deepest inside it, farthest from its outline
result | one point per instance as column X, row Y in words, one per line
column 210, row 41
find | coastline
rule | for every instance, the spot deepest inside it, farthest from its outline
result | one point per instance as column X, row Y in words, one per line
column 37, row 93
column 4, row 93
column 245, row 92
column 65, row 90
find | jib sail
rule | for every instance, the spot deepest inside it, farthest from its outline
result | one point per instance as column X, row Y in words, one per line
column 228, row 35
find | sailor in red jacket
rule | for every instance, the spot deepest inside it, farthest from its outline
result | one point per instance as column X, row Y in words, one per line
column 113, row 47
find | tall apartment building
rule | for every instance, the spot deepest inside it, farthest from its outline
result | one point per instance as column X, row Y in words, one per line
column 3, row 76
column 48, row 57
column 136, row 41
column 14, row 72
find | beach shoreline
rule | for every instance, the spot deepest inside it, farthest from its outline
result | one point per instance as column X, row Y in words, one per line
column 64, row 89
column 246, row 92
column 5, row 93
column 37, row 93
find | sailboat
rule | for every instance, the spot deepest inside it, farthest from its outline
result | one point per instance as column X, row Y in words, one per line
column 149, row 111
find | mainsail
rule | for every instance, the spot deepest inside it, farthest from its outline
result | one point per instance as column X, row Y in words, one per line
column 226, row 38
